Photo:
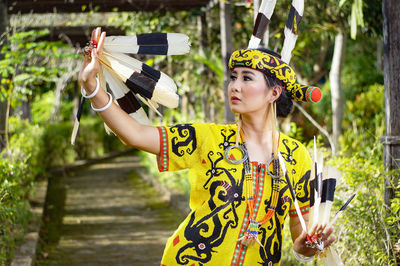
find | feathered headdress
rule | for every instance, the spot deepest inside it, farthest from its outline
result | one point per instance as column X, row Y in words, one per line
column 271, row 65
column 131, row 80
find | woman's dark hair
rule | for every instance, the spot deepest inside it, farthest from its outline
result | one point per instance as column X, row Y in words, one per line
column 284, row 103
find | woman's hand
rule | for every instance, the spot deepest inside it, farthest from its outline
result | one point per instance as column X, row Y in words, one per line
column 91, row 64
column 299, row 244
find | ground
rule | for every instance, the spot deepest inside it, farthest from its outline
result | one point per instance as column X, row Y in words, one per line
column 105, row 215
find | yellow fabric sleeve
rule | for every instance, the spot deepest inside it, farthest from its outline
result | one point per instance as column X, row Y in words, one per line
column 180, row 146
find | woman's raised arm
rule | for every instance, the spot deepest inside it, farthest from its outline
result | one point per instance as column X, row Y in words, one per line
column 129, row 131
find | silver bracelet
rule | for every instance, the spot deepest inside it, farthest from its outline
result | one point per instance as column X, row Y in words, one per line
column 105, row 107
column 302, row 258
column 93, row 93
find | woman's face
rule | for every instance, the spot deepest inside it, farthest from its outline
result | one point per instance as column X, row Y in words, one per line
column 248, row 91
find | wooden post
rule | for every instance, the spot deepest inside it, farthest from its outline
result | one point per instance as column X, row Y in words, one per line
column 391, row 53
column 226, row 47
column 3, row 104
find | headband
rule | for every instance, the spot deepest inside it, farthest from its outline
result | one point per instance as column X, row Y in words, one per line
column 276, row 68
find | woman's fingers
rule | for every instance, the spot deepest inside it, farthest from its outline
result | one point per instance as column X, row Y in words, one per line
column 97, row 35
column 94, row 56
column 100, row 44
column 329, row 241
column 328, row 232
column 90, row 64
column 313, row 230
column 93, row 36
column 327, row 237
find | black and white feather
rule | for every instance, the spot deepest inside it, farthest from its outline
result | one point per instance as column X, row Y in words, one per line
column 149, row 43
column 261, row 24
column 292, row 29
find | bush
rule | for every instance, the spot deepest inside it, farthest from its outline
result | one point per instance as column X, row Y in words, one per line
column 369, row 229
column 16, row 179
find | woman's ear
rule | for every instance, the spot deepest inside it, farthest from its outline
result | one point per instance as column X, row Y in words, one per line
column 276, row 93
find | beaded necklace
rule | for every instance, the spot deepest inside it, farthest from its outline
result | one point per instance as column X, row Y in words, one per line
column 251, row 234
column 252, row 230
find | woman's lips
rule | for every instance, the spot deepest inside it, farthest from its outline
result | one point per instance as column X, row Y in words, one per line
column 235, row 99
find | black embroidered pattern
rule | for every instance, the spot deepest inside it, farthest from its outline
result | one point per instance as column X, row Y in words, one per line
column 226, row 195
column 230, row 194
column 266, row 255
column 301, row 188
column 215, row 171
column 302, row 195
column 205, row 233
column 188, row 133
column 227, row 142
column 288, row 155
column 269, row 258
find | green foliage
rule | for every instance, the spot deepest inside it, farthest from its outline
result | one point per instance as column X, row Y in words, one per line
column 29, row 65
column 16, row 179
column 364, row 123
column 35, row 148
column 295, row 132
column 365, row 235
column 360, row 67
column 175, row 181
column 40, row 108
column 369, row 229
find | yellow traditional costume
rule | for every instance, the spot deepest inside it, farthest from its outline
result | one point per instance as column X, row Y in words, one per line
column 219, row 216
column 238, row 206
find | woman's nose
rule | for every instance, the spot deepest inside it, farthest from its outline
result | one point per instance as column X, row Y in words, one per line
column 235, row 86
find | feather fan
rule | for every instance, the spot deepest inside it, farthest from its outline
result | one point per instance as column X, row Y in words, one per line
column 322, row 189
column 130, row 80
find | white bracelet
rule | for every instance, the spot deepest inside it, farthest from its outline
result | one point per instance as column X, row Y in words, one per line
column 105, row 107
column 302, row 258
column 93, row 93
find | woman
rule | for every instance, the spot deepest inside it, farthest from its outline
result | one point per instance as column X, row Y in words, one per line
column 238, row 205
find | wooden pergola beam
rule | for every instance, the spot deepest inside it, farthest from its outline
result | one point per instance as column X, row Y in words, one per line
column 76, row 36
column 76, row 6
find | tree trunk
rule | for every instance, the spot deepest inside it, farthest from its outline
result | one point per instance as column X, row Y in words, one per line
column 203, row 43
column 3, row 104
column 379, row 55
column 391, row 55
column 60, row 86
column 226, row 45
column 336, row 87
column 24, row 110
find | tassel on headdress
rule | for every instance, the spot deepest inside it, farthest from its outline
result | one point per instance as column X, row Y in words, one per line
column 130, row 80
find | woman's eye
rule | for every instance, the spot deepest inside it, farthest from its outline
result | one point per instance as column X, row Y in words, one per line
column 233, row 77
column 246, row 78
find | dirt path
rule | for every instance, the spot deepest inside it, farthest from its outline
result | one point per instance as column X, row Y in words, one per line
column 105, row 215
